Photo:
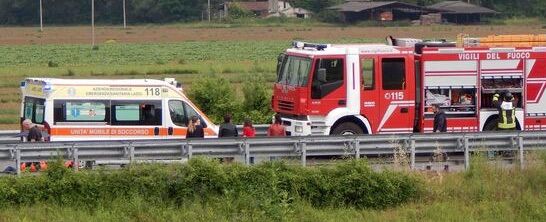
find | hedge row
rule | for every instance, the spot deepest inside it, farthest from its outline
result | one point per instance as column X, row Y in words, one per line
column 350, row 183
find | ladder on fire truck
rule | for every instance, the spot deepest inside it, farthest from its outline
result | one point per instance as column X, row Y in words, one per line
column 463, row 40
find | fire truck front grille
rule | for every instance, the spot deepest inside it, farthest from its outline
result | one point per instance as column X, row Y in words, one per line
column 286, row 105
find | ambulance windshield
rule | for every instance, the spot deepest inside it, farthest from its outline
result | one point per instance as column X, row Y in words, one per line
column 293, row 71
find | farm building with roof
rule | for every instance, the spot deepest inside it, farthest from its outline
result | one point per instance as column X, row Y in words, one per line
column 450, row 11
column 360, row 10
column 461, row 12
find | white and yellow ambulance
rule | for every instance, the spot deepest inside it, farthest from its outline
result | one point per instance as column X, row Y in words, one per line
column 108, row 109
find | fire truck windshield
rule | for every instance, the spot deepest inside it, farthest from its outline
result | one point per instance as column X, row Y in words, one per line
column 294, row 71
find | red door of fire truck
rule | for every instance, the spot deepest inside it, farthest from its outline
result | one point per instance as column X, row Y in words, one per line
column 388, row 99
column 328, row 85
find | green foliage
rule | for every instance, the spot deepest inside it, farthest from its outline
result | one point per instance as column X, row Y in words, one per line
column 215, row 96
column 237, row 12
column 279, row 192
column 22, row 12
column 257, row 98
column 271, row 187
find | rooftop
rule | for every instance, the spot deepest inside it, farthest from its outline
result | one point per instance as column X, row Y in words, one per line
column 458, row 7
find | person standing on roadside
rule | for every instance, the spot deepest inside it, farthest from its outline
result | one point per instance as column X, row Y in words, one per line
column 276, row 129
column 440, row 121
column 33, row 131
column 195, row 130
column 507, row 111
column 227, row 129
column 248, row 129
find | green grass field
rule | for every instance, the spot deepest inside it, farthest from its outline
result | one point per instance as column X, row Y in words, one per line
column 185, row 61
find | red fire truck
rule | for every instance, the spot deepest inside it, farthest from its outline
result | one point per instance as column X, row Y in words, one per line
column 325, row 89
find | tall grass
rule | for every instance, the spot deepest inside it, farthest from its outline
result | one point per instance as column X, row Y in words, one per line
column 277, row 192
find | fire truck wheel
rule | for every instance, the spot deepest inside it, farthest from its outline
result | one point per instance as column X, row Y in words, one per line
column 491, row 125
column 347, row 128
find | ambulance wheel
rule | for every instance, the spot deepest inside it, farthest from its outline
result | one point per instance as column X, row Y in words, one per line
column 347, row 128
column 491, row 125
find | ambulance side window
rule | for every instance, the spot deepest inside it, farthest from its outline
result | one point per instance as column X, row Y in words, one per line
column 143, row 113
column 81, row 111
column 394, row 73
column 178, row 114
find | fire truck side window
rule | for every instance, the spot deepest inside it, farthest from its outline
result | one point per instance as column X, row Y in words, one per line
column 394, row 73
column 368, row 73
column 333, row 79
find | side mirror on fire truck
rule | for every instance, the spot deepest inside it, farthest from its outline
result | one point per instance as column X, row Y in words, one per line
column 321, row 75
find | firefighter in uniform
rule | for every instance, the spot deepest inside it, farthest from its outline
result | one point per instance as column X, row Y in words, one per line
column 507, row 111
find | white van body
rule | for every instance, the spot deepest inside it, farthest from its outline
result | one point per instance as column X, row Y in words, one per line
column 108, row 109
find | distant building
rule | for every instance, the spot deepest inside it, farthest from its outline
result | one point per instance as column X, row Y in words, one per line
column 461, row 12
column 362, row 10
column 270, row 8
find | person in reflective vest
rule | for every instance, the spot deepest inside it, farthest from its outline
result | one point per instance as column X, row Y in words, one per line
column 507, row 111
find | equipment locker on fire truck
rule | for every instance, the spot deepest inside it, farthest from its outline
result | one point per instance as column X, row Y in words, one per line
column 370, row 88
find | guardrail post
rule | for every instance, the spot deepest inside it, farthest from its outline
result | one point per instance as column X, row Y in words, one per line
column 357, row 149
column 131, row 153
column 75, row 160
column 190, row 151
column 466, row 154
column 18, row 160
column 247, row 153
column 303, row 147
column 182, row 151
column 521, row 156
column 412, row 154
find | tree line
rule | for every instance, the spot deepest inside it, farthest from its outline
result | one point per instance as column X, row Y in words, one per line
column 26, row 12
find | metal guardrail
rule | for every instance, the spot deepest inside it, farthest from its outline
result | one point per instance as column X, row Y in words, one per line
column 7, row 136
column 301, row 147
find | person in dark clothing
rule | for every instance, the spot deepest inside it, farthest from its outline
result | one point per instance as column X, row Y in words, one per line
column 227, row 129
column 195, row 129
column 440, row 121
column 34, row 134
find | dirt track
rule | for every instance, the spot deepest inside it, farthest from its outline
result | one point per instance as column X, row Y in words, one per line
column 172, row 33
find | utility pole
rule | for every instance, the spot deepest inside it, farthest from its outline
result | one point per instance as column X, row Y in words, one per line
column 41, row 20
column 124, row 16
column 93, row 23
column 208, row 8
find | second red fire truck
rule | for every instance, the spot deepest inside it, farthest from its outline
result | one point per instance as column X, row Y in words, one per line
column 325, row 89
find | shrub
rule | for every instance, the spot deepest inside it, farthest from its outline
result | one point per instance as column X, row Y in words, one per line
column 257, row 99
column 237, row 12
column 271, row 188
column 52, row 64
column 215, row 96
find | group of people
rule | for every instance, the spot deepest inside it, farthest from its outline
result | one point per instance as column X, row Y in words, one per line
column 228, row 129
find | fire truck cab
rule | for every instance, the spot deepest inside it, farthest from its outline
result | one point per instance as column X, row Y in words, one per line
column 325, row 89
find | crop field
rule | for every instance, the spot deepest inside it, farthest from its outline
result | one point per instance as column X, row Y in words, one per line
column 185, row 52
